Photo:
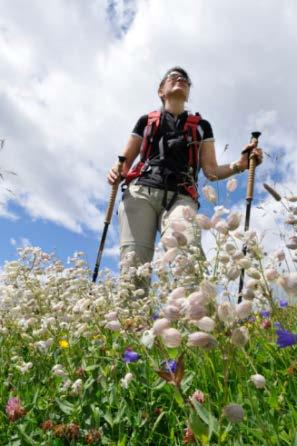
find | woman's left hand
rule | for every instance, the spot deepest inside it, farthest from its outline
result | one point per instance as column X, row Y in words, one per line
column 250, row 149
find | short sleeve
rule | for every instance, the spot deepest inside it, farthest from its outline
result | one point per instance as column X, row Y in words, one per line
column 140, row 126
column 205, row 130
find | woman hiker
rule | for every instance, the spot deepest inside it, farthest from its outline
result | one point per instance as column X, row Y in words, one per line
column 173, row 145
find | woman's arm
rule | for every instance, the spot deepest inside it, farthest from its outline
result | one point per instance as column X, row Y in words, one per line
column 214, row 172
column 130, row 152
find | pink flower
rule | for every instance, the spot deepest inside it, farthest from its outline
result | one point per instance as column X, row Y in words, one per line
column 201, row 339
column 199, row 396
column 14, row 409
column 233, row 220
column 160, row 325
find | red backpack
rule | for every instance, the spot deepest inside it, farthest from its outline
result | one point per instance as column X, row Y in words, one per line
column 193, row 140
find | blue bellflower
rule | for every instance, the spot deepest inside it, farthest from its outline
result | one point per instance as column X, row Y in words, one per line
column 130, row 356
column 170, row 365
column 285, row 338
column 283, row 303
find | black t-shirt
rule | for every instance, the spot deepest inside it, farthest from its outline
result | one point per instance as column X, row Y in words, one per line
column 169, row 125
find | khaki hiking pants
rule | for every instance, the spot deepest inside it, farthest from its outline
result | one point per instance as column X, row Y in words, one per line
column 141, row 215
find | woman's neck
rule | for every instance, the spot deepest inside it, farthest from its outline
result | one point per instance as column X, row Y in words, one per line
column 174, row 106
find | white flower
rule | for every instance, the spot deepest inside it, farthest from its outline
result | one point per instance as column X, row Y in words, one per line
column 201, row 339
column 226, row 312
column 113, row 325
column 203, row 221
column 195, row 311
column 169, row 241
column 171, row 312
column 289, row 283
column 76, row 387
column 171, row 337
column 206, row 324
column 244, row 263
column 181, row 238
column 159, row 325
column 178, row 226
column 232, row 273
column 222, row 227
column 231, row 185
column 177, row 293
column 111, row 316
column 233, row 221
column 24, row 367
column 170, row 255
column 126, row 380
column 188, row 213
column 271, row 274
column 240, row 336
column 244, row 309
column 258, row 380
column 254, row 273
column 58, row 370
column 210, row 193
column 148, row 338
column 209, row 289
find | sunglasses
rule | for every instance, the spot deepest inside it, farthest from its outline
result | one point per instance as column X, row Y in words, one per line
column 177, row 76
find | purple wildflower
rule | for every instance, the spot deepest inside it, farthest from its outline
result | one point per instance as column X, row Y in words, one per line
column 283, row 303
column 265, row 313
column 170, row 365
column 277, row 324
column 130, row 356
column 14, row 409
column 285, row 338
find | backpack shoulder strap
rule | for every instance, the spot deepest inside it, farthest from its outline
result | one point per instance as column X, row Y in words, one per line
column 193, row 138
column 153, row 122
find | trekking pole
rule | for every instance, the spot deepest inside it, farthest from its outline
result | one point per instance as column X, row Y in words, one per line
column 108, row 217
column 249, row 199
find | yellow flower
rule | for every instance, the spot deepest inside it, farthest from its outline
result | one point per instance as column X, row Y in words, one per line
column 63, row 343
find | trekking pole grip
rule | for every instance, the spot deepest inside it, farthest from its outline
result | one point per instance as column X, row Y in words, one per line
column 114, row 191
column 252, row 168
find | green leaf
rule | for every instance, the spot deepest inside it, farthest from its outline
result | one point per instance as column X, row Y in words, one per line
column 65, row 406
column 107, row 416
column 122, row 441
column 26, row 440
column 199, row 428
column 207, row 418
column 158, row 421
column 295, row 440
column 178, row 397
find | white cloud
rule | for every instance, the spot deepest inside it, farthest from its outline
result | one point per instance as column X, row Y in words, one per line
column 70, row 91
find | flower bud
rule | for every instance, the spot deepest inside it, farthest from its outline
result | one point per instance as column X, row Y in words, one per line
column 244, row 309
column 222, row 227
column 271, row 274
column 171, row 312
column 114, row 325
column 195, row 311
column 232, row 273
column 169, row 241
column 253, row 273
column 240, row 336
column 206, row 324
column 233, row 221
column 201, row 339
column 170, row 255
column 226, row 312
column 180, row 238
column 234, row 413
column 177, row 293
column 258, row 381
column 289, row 283
column 160, row 325
column 199, row 396
column 171, row 337
column 203, row 221
column 231, row 184
column 210, row 193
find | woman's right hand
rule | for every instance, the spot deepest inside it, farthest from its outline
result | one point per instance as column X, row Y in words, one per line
column 113, row 175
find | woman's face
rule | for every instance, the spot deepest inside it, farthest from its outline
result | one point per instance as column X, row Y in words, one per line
column 175, row 86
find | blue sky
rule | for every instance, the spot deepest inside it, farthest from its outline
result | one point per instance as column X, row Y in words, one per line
column 75, row 78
